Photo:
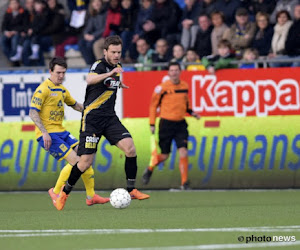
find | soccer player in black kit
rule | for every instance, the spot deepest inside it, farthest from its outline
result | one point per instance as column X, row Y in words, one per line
column 99, row 118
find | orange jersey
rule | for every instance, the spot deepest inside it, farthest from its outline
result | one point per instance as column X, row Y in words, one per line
column 172, row 99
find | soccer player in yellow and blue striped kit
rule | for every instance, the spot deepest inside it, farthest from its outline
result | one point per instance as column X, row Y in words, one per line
column 47, row 112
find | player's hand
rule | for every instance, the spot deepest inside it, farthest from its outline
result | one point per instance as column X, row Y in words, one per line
column 122, row 85
column 47, row 140
column 152, row 129
column 117, row 70
column 196, row 115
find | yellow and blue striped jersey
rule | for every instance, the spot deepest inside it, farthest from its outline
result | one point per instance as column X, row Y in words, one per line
column 49, row 99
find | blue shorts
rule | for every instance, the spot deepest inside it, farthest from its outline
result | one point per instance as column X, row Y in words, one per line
column 62, row 144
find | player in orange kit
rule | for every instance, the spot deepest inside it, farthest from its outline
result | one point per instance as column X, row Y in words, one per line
column 172, row 98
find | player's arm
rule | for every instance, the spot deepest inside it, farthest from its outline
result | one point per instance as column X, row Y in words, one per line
column 94, row 78
column 36, row 105
column 70, row 101
column 190, row 110
column 155, row 100
column 78, row 107
column 35, row 117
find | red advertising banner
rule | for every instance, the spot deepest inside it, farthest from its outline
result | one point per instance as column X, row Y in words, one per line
column 231, row 92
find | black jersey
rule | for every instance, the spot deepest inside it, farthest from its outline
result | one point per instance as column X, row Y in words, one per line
column 100, row 98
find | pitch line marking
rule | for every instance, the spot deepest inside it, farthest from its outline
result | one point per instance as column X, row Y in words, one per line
column 64, row 232
column 214, row 246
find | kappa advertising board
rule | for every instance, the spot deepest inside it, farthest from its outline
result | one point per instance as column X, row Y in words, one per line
column 223, row 153
column 231, row 92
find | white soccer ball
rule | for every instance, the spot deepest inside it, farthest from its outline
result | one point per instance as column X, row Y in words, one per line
column 120, row 198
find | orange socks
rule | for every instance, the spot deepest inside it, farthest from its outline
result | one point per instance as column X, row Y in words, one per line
column 183, row 166
column 155, row 160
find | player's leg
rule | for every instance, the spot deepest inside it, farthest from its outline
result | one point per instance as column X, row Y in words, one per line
column 127, row 146
column 166, row 134
column 59, row 149
column 88, row 178
column 72, row 159
column 76, row 172
column 181, row 139
column 89, row 183
column 184, row 167
column 87, row 148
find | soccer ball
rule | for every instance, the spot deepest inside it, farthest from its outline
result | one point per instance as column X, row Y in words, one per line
column 120, row 198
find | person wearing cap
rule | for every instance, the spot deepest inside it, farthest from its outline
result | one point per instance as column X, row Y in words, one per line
column 241, row 32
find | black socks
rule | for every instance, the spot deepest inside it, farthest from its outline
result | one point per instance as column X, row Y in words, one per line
column 130, row 170
column 73, row 178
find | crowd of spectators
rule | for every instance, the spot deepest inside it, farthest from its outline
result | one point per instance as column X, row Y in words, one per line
column 211, row 32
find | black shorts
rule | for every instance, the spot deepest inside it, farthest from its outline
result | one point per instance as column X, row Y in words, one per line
column 169, row 130
column 108, row 126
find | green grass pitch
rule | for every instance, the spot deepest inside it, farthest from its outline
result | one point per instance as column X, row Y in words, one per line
column 168, row 220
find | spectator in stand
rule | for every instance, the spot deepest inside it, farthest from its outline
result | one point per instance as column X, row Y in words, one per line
column 241, row 33
column 263, row 35
column 145, row 54
column 13, row 27
column 203, row 39
column 74, row 29
column 56, row 27
column 264, row 6
column 288, row 5
column 144, row 13
column 80, row 5
column 249, row 56
column 221, row 61
column 126, row 28
column 279, row 38
column 178, row 55
column 219, row 28
column 207, row 7
column 292, row 44
column 163, row 22
column 65, row 37
column 228, row 7
column 25, row 46
column 113, row 19
column 161, row 54
column 93, row 30
column 192, row 57
column 190, row 23
column 36, row 42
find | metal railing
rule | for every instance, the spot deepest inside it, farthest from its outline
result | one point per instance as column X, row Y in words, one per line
column 261, row 62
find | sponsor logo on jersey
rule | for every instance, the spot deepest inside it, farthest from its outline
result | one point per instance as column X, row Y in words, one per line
column 37, row 101
column 111, row 83
column 91, row 141
column 56, row 115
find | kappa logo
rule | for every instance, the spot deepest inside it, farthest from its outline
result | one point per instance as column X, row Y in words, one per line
column 244, row 96
column 107, row 69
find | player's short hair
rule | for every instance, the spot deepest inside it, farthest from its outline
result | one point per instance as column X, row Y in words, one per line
column 112, row 40
column 57, row 61
column 174, row 64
